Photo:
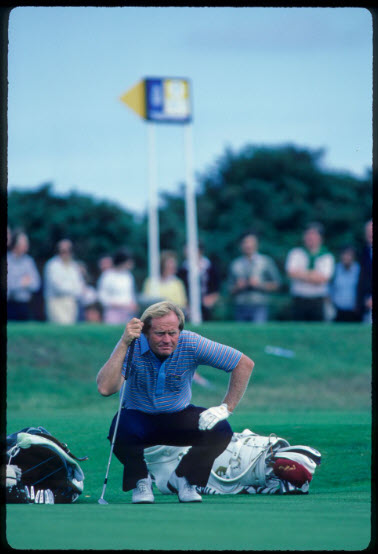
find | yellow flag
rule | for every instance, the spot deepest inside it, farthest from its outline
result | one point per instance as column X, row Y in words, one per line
column 135, row 98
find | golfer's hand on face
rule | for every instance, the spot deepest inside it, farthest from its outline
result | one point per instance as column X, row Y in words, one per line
column 133, row 330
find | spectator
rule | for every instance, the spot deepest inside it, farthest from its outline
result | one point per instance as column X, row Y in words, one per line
column 209, row 290
column 104, row 263
column 93, row 313
column 23, row 278
column 343, row 288
column 252, row 277
column 310, row 269
column 88, row 298
column 364, row 291
column 116, row 290
column 209, row 281
column 170, row 287
column 63, row 285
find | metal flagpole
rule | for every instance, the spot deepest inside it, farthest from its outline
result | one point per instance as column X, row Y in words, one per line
column 167, row 100
column 153, row 216
column 191, row 231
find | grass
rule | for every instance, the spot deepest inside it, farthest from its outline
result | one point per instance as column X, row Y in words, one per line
column 321, row 397
column 331, row 368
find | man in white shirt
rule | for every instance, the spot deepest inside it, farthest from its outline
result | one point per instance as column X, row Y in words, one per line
column 63, row 285
column 310, row 268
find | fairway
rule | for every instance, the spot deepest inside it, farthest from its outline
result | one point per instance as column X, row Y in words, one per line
column 321, row 397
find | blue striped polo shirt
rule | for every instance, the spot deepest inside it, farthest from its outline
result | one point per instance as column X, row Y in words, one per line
column 154, row 386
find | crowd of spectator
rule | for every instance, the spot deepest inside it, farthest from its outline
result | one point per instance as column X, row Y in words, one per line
column 322, row 288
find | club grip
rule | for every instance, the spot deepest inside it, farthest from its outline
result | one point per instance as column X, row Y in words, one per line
column 129, row 355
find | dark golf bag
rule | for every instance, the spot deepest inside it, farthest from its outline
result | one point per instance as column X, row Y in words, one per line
column 41, row 469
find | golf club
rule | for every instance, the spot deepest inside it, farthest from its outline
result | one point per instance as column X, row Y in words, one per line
column 130, row 352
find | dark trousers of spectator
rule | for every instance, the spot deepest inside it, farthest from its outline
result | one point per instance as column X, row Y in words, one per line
column 308, row 309
column 347, row 316
column 257, row 313
column 18, row 311
column 138, row 430
column 206, row 313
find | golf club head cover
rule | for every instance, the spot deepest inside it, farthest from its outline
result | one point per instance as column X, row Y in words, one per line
column 293, row 470
column 209, row 418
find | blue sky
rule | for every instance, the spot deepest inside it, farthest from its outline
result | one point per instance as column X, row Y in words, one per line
column 263, row 76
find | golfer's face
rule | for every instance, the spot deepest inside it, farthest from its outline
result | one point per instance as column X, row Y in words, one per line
column 164, row 334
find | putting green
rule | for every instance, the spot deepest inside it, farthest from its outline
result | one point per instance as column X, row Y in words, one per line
column 332, row 521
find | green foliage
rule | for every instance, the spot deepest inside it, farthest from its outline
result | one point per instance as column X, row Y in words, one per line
column 96, row 228
column 275, row 190
column 172, row 221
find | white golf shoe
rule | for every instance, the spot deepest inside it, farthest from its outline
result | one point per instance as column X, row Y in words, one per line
column 142, row 494
column 186, row 492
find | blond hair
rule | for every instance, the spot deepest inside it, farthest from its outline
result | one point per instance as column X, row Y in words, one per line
column 160, row 309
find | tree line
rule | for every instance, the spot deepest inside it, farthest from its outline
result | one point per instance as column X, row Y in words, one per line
column 274, row 190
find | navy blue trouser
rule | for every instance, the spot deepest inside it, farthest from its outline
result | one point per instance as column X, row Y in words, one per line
column 138, row 430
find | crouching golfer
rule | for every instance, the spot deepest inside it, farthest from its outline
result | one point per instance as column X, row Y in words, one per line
column 156, row 408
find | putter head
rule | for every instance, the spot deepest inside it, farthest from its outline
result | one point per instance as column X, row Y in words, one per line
column 102, row 501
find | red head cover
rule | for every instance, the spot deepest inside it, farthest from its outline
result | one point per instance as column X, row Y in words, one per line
column 291, row 471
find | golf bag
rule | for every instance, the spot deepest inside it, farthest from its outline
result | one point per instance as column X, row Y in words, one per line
column 251, row 464
column 41, row 469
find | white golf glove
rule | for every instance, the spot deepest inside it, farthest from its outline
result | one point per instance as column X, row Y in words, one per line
column 212, row 416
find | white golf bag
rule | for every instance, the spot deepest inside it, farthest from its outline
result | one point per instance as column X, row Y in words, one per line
column 248, row 465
